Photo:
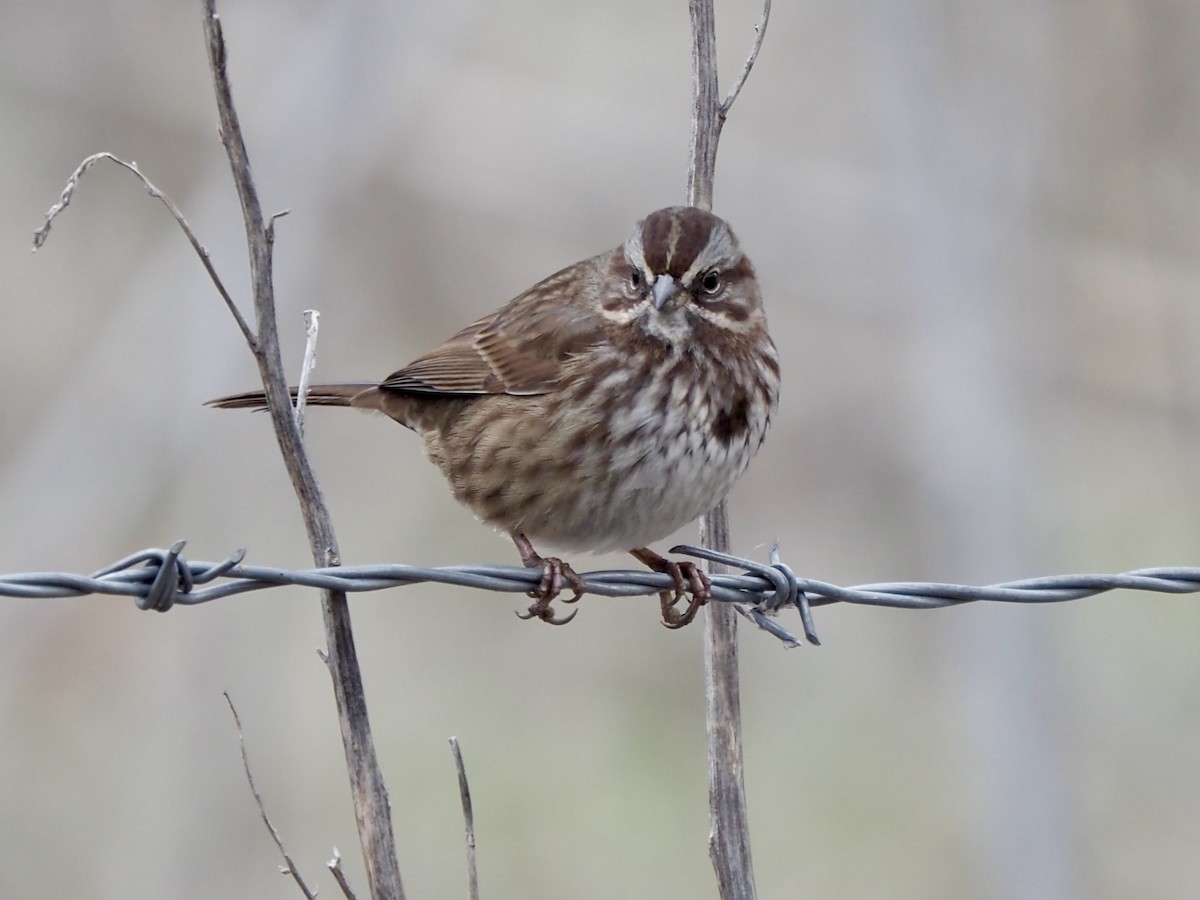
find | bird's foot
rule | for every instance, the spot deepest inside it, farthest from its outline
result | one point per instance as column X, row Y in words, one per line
column 689, row 579
column 555, row 573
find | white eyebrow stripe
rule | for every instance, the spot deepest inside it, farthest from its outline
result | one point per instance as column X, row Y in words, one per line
column 635, row 251
column 719, row 252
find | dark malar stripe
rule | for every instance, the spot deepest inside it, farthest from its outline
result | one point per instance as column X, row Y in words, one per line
column 735, row 311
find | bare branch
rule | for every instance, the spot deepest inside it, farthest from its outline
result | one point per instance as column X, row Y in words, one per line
column 760, row 31
column 40, row 236
column 729, row 841
column 335, row 866
column 275, row 217
column 464, row 791
column 290, row 868
column 312, row 327
column 371, row 809
column 706, row 121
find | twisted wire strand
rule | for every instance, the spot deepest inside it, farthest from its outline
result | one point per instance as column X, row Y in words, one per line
column 159, row 579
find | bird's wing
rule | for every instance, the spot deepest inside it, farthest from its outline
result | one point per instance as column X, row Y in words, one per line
column 521, row 348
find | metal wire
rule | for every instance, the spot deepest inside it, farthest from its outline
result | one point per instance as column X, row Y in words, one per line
column 159, row 579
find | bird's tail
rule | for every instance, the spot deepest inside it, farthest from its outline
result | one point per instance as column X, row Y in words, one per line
column 318, row 395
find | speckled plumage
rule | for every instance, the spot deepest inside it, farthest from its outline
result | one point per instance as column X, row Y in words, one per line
column 607, row 405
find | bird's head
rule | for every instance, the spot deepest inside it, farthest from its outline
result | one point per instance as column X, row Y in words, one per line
column 680, row 271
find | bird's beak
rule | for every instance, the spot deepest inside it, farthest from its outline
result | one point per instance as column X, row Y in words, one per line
column 665, row 287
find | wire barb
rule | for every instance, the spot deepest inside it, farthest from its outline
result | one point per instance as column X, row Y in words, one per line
column 159, row 579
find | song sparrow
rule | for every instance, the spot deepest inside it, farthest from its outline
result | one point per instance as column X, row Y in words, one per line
column 602, row 408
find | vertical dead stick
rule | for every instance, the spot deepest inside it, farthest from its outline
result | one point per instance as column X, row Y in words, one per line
column 464, row 791
column 729, row 835
column 729, row 839
column 706, row 107
column 370, row 798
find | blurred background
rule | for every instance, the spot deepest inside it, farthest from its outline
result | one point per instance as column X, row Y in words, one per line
column 978, row 230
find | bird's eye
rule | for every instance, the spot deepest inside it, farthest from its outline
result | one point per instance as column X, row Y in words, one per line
column 635, row 279
column 711, row 282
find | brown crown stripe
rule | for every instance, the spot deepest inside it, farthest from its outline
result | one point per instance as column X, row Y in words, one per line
column 673, row 238
column 657, row 239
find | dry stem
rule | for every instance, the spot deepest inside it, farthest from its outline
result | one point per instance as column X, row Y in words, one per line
column 335, row 867
column 729, row 840
column 464, row 791
column 262, row 810
column 371, row 808
column 68, row 192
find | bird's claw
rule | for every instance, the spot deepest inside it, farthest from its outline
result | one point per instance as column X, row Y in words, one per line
column 554, row 573
column 689, row 579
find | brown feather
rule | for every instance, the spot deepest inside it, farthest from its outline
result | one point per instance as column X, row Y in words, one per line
column 318, row 395
column 521, row 349
column 455, row 367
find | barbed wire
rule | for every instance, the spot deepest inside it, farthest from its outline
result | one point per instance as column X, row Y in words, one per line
column 159, row 579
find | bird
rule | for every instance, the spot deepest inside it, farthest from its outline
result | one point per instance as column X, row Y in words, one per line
column 602, row 408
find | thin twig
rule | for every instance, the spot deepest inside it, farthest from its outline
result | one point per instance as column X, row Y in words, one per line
column 760, row 31
column 68, row 192
column 290, row 867
column 335, row 866
column 464, row 791
column 312, row 327
column 371, row 809
column 729, row 840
